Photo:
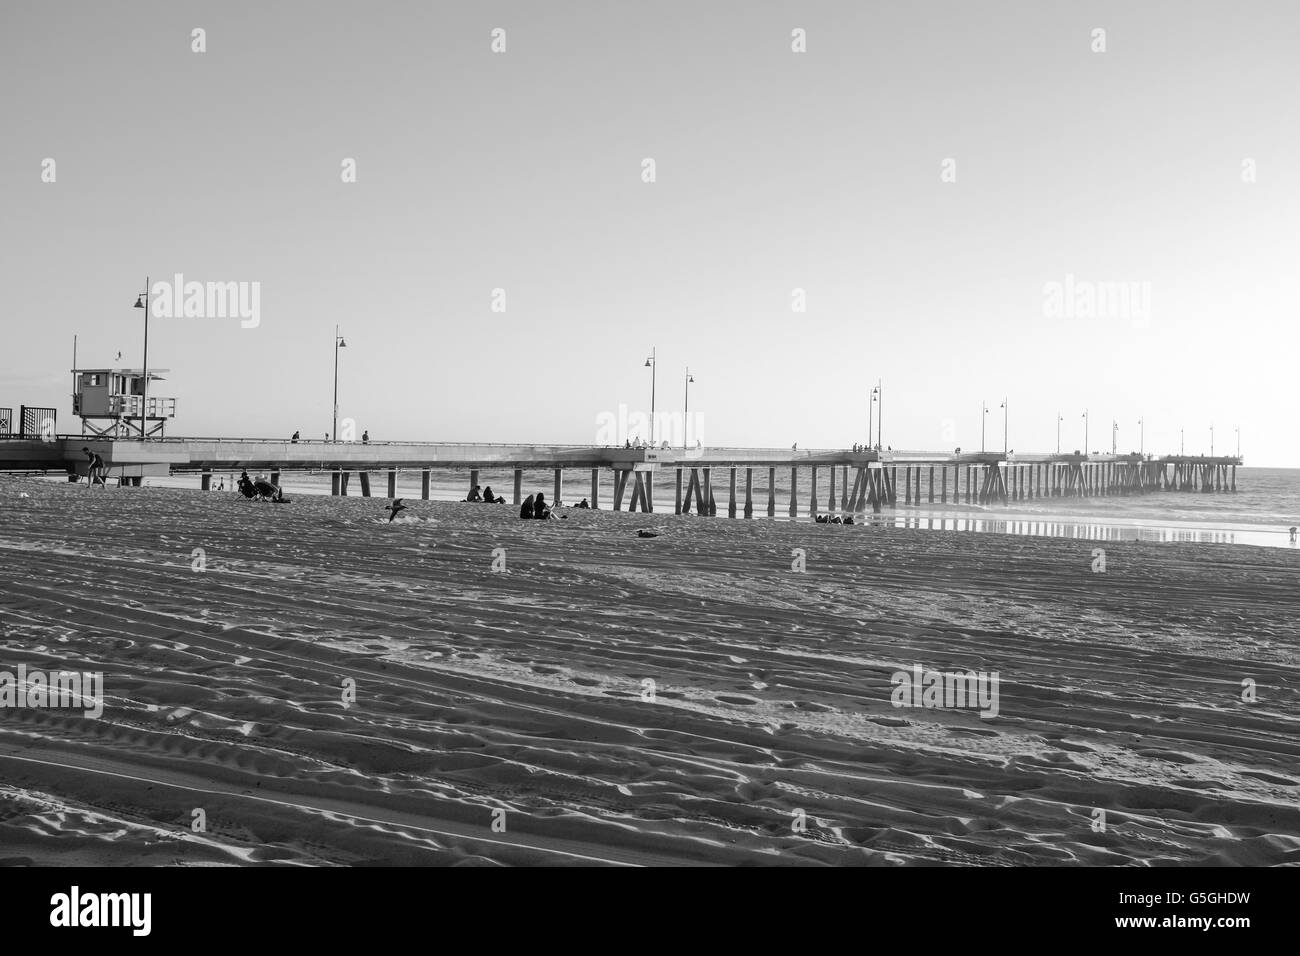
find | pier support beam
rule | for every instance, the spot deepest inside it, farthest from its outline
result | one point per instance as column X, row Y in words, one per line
column 335, row 483
column 794, row 492
column 473, row 480
column 812, row 505
column 595, row 488
column 731, row 502
column 771, row 492
column 931, row 484
column 424, row 484
column 365, row 483
column 206, row 481
column 709, row 506
column 343, row 487
column 830, row 504
column 519, row 486
column 749, row 492
column 677, row 509
column 844, row 489
column 943, row 484
column 392, row 482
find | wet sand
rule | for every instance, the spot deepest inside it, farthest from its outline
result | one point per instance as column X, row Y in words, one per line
column 522, row 691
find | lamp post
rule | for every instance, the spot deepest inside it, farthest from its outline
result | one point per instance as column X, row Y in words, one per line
column 1180, row 442
column 880, row 413
column 1142, row 437
column 686, row 405
column 1059, row 418
column 1237, row 429
column 1211, row 441
column 1114, row 436
column 338, row 344
column 142, row 302
column 984, row 414
column 652, row 365
column 1085, row 433
column 1005, row 413
column 871, row 415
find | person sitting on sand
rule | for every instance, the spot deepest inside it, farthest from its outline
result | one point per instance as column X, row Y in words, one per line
column 266, row 490
column 526, row 511
column 540, row 509
column 492, row 499
column 96, row 471
column 582, row 504
column 245, row 485
column 474, row 495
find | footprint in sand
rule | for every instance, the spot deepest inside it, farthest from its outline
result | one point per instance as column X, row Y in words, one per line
column 539, row 669
column 730, row 699
column 809, row 705
column 585, row 682
column 890, row 721
column 1270, row 778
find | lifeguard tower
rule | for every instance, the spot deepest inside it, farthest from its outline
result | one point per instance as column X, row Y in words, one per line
column 112, row 404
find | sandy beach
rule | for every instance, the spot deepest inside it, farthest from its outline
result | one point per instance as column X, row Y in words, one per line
column 770, row 737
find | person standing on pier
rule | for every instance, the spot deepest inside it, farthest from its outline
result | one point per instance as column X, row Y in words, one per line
column 295, row 438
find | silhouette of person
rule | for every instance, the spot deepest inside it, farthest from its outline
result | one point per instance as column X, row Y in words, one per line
column 295, row 438
column 96, row 470
column 526, row 511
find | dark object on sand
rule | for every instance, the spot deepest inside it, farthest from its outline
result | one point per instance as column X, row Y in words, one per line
column 541, row 511
column 394, row 508
column 492, row 499
column 582, row 504
column 643, row 533
column 527, row 510
column 474, row 495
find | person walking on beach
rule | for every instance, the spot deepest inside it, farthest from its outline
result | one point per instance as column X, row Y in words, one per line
column 97, row 471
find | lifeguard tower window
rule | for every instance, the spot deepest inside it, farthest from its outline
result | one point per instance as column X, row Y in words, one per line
column 93, row 379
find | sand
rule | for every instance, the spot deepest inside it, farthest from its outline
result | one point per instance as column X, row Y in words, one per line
column 771, row 738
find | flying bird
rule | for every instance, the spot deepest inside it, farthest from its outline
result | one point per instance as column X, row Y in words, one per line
column 394, row 508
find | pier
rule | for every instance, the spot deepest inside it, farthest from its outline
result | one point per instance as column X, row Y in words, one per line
column 821, row 480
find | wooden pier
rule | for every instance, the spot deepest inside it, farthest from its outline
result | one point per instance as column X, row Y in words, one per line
column 851, row 481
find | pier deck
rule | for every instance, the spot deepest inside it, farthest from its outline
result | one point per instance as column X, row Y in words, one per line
column 868, row 479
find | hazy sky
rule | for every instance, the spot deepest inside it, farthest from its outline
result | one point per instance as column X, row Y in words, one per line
column 775, row 171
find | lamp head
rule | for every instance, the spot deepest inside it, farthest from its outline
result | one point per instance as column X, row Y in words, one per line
column 139, row 302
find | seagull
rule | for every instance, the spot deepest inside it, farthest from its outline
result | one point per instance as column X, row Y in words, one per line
column 395, row 507
column 119, row 357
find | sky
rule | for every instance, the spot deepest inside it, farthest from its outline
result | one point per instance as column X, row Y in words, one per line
column 919, row 176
